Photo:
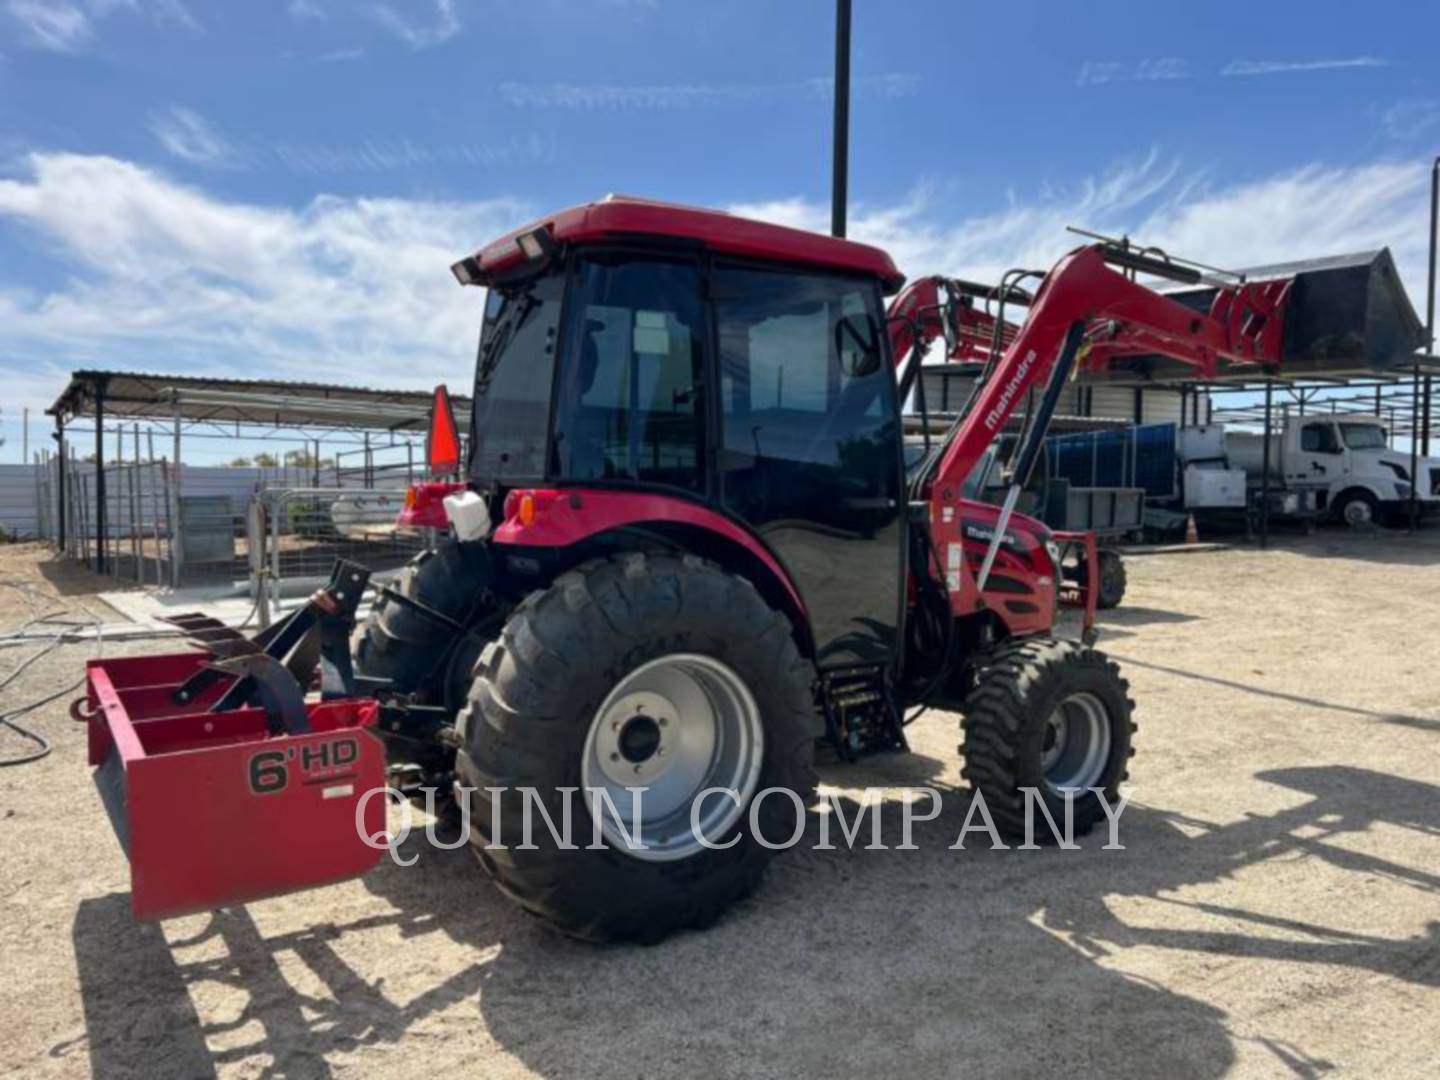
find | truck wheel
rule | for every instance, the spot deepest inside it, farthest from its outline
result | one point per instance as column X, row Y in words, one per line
column 1112, row 578
column 403, row 645
column 638, row 671
column 1359, row 509
column 1048, row 715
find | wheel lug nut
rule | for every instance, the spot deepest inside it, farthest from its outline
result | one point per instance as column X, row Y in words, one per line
column 637, row 768
column 663, row 721
column 614, row 757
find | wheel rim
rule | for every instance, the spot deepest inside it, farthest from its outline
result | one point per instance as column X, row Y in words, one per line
column 1076, row 744
column 1357, row 512
column 675, row 726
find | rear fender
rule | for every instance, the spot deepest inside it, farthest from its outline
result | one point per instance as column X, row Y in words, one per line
column 588, row 521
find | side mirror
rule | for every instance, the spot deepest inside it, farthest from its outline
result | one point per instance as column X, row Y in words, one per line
column 857, row 345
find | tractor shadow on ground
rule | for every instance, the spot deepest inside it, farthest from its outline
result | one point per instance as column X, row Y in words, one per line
column 1122, row 621
column 847, row 962
column 1394, row 546
column 1420, row 723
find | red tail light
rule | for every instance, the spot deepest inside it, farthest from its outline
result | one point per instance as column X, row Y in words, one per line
column 425, row 505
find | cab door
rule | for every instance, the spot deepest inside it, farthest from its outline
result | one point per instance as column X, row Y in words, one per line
column 1319, row 460
column 809, row 449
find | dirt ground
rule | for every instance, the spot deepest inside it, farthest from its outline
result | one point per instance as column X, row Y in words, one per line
column 1275, row 912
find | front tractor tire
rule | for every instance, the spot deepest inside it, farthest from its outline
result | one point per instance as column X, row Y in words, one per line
column 1112, row 578
column 1048, row 715
column 638, row 670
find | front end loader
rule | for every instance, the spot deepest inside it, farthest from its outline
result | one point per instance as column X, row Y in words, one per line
column 683, row 550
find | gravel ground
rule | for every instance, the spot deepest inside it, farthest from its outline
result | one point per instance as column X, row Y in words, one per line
column 1276, row 910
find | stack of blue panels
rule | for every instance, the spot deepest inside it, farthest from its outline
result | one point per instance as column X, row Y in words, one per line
column 1142, row 456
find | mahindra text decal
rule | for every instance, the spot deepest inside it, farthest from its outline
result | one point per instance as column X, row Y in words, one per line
column 983, row 533
column 996, row 415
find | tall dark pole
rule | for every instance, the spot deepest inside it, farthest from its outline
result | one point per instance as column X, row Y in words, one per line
column 100, row 507
column 60, row 481
column 839, row 181
column 1430, row 301
column 1265, row 469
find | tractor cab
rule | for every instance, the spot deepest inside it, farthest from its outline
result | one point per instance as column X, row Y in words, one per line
column 678, row 366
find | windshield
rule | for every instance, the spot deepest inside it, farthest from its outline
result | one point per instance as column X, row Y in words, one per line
column 1363, row 436
column 512, row 381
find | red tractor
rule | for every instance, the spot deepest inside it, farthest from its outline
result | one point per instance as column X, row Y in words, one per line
column 690, row 547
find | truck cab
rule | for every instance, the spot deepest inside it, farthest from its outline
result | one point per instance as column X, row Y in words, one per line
column 1349, row 462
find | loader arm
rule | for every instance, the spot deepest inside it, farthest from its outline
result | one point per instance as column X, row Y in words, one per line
column 1106, row 316
column 1084, row 315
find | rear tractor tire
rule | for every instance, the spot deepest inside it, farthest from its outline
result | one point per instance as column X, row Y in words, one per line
column 650, row 671
column 419, row 654
column 1049, row 715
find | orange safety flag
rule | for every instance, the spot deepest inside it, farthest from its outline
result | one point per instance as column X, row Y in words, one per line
column 442, row 445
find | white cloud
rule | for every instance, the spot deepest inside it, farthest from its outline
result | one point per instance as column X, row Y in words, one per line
column 164, row 276
column 303, row 10
column 189, row 136
column 1151, row 69
column 62, row 26
column 156, row 274
column 1302, row 213
column 1161, row 69
column 1283, row 67
column 1098, row 72
column 619, row 97
column 419, row 34
column 1410, row 119
column 336, row 56
column 58, row 26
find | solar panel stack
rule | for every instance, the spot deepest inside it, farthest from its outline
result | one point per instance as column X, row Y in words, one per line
column 1142, row 456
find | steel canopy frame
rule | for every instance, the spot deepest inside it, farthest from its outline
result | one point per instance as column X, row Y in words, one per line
column 184, row 404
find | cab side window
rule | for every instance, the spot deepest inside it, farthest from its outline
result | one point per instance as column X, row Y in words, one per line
column 1319, row 439
column 629, row 388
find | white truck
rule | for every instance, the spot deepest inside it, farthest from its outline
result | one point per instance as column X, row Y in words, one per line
column 1346, row 460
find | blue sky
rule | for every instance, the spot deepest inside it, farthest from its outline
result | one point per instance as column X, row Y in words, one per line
column 279, row 186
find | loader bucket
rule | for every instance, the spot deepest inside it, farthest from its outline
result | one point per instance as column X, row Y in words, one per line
column 214, row 809
column 1346, row 314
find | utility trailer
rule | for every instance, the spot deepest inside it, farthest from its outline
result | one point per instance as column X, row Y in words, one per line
column 684, row 550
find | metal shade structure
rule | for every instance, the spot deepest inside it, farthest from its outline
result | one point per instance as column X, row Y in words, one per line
column 216, row 407
column 269, row 402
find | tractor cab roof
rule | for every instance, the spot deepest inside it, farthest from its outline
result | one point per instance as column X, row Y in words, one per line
column 617, row 217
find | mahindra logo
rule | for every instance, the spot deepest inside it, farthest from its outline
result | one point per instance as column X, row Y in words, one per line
column 996, row 415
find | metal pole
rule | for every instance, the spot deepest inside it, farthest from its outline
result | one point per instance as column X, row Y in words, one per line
column 60, row 482
column 137, row 496
column 839, row 183
column 1414, row 450
column 1430, row 295
column 100, row 508
column 1265, row 470
column 25, row 434
column 174, row 507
